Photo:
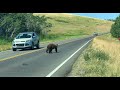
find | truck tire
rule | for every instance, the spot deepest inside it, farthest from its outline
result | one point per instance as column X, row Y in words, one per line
column 14, row 49
column 38, row 45
column 32, row 47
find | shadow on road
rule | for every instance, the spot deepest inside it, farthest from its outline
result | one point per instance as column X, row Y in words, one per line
column 27, row 49
column 54, row 52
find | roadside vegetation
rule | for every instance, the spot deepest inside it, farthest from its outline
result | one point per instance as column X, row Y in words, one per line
column 5, row 44
column 50, row 26
column 100, row 59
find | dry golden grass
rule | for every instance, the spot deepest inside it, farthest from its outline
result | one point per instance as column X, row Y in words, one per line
column 5, row 47
column 54, row 14
column 95, row 67
column 113, row 48
column 68, row 24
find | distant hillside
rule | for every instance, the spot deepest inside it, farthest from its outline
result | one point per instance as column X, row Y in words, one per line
column 71, row 25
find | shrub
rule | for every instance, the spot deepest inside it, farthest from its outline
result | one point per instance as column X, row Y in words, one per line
column 115, row 29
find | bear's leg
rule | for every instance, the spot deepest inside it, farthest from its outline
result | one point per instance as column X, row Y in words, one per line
column 56, row 50
column 50, row 50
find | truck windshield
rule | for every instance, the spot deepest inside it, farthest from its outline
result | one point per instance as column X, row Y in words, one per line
column 23, row 36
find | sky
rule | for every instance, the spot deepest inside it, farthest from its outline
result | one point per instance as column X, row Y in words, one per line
column 99, row 15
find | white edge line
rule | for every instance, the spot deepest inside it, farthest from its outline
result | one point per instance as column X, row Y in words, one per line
column 51, row 73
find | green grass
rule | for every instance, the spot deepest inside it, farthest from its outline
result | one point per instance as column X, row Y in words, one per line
column 54, row 37
column 5, row 44
column 4, row 41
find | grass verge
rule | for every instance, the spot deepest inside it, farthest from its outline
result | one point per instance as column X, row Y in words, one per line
column 100, row 59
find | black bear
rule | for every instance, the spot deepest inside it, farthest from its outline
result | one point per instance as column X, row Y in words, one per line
column 50, row 47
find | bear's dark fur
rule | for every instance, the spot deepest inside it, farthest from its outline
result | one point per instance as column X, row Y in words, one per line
column 50, row 47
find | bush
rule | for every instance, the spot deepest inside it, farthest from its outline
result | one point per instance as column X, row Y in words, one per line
column 115, row 29
column 87, row 57
column 95, row 54
column 100, row 55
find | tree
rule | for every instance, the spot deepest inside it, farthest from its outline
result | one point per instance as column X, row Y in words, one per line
column 111, row 20
column 115, row 29
column 13, row 23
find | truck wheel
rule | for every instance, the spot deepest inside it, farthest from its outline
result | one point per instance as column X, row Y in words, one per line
column 32, row 47
column 14, row 49
column 38, row 45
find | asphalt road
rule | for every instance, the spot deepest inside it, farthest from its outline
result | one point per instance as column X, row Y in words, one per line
column 38, row 63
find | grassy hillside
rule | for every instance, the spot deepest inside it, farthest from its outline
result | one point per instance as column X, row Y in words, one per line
column 67, row 26
column 71, row 25
column 100, row 59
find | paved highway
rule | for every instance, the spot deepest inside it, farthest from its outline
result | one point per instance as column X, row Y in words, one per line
column 38, row 63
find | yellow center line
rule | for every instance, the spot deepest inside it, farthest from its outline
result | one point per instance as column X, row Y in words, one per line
column 19, row 55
